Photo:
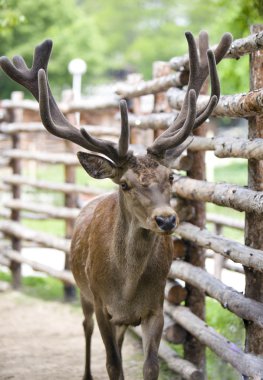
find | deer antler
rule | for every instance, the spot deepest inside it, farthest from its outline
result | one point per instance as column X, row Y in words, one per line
column 35, row 80
column 188, row 119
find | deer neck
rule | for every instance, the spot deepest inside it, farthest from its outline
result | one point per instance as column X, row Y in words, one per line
column 133, row 246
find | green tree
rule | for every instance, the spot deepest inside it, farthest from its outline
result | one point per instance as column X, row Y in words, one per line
column 73, row 32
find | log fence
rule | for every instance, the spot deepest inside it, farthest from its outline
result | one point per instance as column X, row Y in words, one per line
column 193, row 242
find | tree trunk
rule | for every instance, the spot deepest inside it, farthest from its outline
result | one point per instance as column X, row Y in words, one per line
column 254, row 222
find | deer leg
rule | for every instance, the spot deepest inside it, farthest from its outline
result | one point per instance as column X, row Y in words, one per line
column 113, row 356
column 88, row 326
column 152, row 329
column 120, row 332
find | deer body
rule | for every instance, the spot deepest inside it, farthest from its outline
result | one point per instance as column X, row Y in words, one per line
column 119, row 264
column 122, row 275
column 121, row 248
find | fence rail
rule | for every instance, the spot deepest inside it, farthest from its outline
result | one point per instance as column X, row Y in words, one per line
column 191, row 192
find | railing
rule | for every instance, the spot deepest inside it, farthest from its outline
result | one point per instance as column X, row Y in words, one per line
column 184, row 324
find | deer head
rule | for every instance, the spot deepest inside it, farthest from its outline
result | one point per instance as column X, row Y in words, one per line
column 144, row 181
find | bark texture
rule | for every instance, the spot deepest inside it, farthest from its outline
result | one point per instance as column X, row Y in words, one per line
column 254, row 221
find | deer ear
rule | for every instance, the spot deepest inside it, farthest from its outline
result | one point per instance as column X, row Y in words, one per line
column 96, row 166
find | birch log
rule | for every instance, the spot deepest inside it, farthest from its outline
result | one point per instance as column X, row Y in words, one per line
column 153, row 86
column 60, row 187
column 249, row 257
column 25, row 233
column 184, row 367
column 238, row 48
column 65, row 276
column 230, row 147
column 95, row 130
column 229, row 298
column 222, row 194
column 237, row 105
column 246, row 364
column 46, row 209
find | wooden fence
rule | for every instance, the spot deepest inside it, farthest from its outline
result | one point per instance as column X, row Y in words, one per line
column 183, row 324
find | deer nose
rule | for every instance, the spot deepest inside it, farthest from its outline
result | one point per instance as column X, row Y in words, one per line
column 166, row 223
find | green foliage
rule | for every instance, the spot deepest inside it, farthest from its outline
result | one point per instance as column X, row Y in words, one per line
column 46, row 288
column 129, row 35
column 9, row 18
column 231, row 327
column 74, row 34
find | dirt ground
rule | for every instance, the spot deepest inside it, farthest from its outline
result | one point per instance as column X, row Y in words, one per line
column 44, row 340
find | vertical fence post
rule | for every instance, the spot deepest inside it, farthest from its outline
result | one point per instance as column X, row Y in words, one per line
column 194, row 351
column 218, row 259
column 254, row 222
column 16, row 116
column 70, row 201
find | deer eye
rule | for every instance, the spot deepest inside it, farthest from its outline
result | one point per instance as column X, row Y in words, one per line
column 124, row 186
column 171, row 178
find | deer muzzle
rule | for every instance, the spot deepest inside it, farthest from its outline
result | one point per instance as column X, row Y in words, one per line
column 165, row 219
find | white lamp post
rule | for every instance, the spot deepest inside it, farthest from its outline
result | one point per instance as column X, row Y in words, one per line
column 77, row 67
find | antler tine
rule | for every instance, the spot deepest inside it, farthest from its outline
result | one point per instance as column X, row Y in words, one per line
column 199, row 67
column 48, row 120
column 19, row 71
column 66, row 130
column 35, row 80
column 162, row 144
column 117, row 153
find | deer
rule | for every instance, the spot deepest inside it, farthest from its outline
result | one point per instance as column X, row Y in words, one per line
column 121, row 248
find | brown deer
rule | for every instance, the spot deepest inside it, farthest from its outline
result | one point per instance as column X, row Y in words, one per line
column 122, row 247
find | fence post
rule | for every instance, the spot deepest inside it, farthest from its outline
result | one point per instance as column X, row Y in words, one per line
column 16, row 116
column 254, row 222
column 218, row 259
column 70, row 201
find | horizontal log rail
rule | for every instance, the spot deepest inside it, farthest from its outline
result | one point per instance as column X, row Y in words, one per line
column 65, row 276
column 95, row 130
column 66, row 188
column 46, row 209
column 225, row 221
column 45, row 157
column 152, row 121
column 84, row 105
column 226, row 147
column 239, row 253
column 235, row 268
column 229, row 298
column 15, row 229
column 222, row 194
column 152, row 86
column 245, row 364
column 238, row 48
column 184, row 367
column 238, row 105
